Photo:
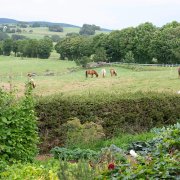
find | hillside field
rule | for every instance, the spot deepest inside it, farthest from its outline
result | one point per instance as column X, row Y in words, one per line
column 68, row 79
column 40, row 32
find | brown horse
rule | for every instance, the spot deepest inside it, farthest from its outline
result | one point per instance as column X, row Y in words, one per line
column 91, row 72
column 113, row 72
column 179, row 72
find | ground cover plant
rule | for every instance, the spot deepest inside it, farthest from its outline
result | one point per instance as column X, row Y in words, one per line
column 161, row 161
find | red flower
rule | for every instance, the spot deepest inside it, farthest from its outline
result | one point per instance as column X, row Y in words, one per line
column 111, row 166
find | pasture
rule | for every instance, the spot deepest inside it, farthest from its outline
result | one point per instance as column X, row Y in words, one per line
column 56, row 76
column 40, row 32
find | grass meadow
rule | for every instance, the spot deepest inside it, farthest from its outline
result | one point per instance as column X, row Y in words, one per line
column 40, row 32
column 68, row 79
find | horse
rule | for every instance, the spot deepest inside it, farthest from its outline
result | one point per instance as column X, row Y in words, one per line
column 179, row 72
column 91, row 72
column 113, row 72
column 103, row 72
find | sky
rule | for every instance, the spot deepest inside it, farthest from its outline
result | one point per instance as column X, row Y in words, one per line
column 110, row 14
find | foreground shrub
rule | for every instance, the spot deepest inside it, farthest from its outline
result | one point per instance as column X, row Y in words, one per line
column 39, row 170
column 18, row 136
column 160, row 162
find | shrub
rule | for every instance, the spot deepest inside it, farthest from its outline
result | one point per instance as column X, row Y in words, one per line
column 130, row 113
column 18, row 137
column 75, row 154
column 78, row 134
column 43, row 170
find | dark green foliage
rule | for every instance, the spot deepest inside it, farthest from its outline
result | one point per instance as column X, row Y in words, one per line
column 18, row 136
column 3, row 36
column 123, row 113
column 7, row 47
column 83, row 61
column 45, row 47
column 75, row 154
column 88, row 29
column 55, row 38
column 18, row 37
column 55, row 28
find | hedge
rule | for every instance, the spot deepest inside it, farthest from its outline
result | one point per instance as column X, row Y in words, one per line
column 129, row 113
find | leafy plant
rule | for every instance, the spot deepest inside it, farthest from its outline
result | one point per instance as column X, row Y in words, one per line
column 18, row 137
column 75, row 154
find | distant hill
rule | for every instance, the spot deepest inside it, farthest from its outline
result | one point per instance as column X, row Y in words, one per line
column 8, row 21
column 42, row 23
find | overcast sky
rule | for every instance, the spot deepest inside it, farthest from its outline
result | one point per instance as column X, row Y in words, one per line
column 112, row 14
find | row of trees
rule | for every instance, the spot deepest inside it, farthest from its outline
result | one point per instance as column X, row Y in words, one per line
column 145, row 43
column 27, row 47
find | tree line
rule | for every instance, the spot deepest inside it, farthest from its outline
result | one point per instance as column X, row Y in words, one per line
column 145, row 43
column 27, row 47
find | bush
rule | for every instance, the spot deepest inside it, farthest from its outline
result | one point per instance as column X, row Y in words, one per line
column 78, row 134
column 75, row 154
column 130, row 113
column 38, row 170
column 18, row 137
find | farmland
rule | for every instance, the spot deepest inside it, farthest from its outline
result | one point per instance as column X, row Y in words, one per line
column 40, row 32
column 70, row 79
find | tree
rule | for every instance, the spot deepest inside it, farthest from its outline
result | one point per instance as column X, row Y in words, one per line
column 100, row 55
column 15, row 47
column 83, row 61
column 112, row 47
column 165, row 45
column 69, row 48
column 3, row 36
column 55, row 28
column 129, row 57
column 143, row 37
column 72, row 34
column 55, row 38
column 7, row 47
column 44, row 48
column 87, row 29
column 1, row 47
column 31, row 48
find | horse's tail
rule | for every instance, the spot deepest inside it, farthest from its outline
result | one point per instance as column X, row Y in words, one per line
column 179, row 71
column 86, row 74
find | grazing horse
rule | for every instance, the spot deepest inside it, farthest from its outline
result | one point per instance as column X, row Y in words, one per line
column 103, row 72
column 91, row 72
column 179, row 72
column 113, row 72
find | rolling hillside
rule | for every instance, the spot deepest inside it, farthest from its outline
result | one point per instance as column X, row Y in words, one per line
column 40, row 32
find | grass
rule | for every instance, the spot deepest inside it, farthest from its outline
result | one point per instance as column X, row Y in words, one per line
column 40, row 32
column 70, row 82
column 122, row 140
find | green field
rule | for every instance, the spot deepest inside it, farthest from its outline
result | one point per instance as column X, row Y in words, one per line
column 69, row 79
column 40, row 32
